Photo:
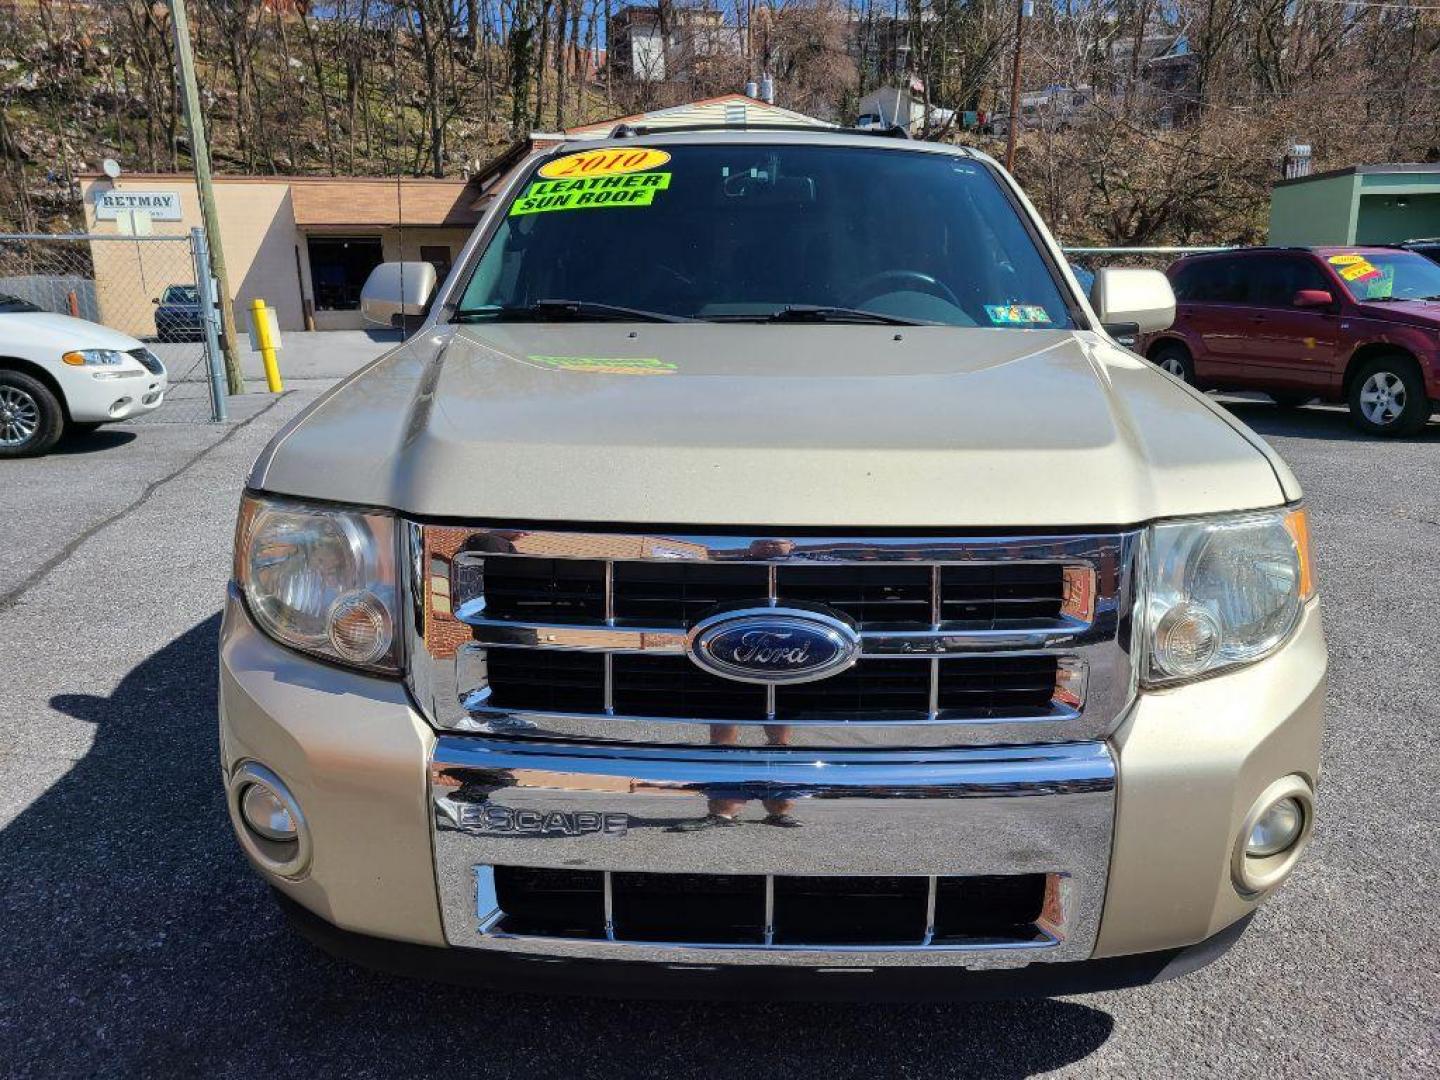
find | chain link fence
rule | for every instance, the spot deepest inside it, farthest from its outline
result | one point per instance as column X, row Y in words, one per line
column 148, row 287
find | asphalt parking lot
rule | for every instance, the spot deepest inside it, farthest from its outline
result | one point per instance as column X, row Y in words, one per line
column 136, row 942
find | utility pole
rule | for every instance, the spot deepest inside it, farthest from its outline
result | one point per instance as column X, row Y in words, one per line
column 200, row 152
column 1015, row 111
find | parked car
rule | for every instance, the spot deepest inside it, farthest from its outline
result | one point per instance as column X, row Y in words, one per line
column 1429, row 247
column 1359, row 325
column 61, row 374
column 178, row 314
column 732, row 585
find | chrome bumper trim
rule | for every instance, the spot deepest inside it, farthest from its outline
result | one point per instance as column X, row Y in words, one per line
column 989, row 810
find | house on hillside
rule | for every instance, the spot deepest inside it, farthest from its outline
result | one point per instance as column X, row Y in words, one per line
column 903, row 106
column 657, row 44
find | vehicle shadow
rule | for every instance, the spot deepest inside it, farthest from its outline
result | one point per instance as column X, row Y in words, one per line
column 92, row 442
column 138, row 942
column 1311, row 422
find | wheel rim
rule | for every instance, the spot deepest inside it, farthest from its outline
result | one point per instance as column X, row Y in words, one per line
column 19, row 416
column 1382, row 398
column 1173, row 364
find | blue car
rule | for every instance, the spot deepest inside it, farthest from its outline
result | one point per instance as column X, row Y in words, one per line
column 177, row 314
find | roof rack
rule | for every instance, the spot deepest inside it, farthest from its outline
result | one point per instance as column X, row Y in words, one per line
column 631, row 131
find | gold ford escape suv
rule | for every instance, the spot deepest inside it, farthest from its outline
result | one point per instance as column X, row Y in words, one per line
column 762, row 572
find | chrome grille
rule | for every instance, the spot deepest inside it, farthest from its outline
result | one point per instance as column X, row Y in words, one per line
column 582, row 635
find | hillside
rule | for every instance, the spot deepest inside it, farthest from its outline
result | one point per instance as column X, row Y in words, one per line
column 80, row 82
column 1179, row 140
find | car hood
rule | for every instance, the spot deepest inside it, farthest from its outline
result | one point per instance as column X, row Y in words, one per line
column 1410, row 312
column 835, row 425
column 39, row 329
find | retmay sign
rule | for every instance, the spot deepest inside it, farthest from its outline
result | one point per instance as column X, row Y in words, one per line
column 160, row 205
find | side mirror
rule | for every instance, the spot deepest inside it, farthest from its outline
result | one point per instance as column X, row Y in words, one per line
column 397, row 293
column 1307, row 298
column 1143, row 299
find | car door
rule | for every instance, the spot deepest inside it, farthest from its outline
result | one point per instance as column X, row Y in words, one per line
column 1292, row 347
column 1216, row 293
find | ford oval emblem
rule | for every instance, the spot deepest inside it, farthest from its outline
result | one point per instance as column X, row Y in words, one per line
column 774, row 645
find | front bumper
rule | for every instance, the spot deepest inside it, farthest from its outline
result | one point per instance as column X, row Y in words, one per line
column 91, row 400
column 1136, row 832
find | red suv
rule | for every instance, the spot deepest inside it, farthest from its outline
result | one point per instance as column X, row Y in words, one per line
column 1355, row 324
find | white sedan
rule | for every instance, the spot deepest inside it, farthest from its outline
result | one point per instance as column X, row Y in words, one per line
column 60, row 374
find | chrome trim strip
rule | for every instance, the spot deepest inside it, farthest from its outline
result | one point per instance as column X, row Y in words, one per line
column 487, row 901
column 943, row 640
column 609, row 907
column 811, row 954
column 778, row 548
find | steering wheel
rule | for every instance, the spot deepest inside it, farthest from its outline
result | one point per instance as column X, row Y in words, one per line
column 871, row 287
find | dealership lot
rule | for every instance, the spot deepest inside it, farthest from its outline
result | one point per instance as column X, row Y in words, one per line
column 137, row 942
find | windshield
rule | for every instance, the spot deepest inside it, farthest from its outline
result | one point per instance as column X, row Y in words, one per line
column 745, row 232
column 182, row 294
column 1386, row 275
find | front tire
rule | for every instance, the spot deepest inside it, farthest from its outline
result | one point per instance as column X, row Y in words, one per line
column 30, row 416
column 1175, row 359
column 1387, row 397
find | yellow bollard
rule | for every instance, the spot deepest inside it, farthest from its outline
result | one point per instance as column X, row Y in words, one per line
column 261, row 322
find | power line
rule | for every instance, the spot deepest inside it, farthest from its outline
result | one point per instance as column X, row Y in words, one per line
column 1377, row 4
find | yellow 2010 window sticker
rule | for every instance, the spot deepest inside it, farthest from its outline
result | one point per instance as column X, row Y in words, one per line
column 590, row 193
column 612, row 162
column 1354, row 268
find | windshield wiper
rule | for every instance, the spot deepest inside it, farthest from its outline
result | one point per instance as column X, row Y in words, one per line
column 564, row 310
column 821, row 313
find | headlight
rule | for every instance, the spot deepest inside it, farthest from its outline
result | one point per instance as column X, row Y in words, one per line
column 320, row 579
column 1221, row 592
column 94, row 357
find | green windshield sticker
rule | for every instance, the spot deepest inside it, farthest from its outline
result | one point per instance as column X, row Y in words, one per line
column 589, row 192
column 608, row 365
column 1017, row 314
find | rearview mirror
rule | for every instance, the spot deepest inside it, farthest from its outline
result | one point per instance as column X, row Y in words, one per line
column 1143, row 299
column 1312, row 298
column 397, row 293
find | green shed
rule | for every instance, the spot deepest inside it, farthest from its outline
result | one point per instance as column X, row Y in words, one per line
column 1364, row 204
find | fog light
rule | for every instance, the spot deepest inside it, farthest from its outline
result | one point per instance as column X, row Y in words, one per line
column 1278, row 828
column 359, row 628
column 1186, row 640
column 1272, row 836
column 268, row 821
column 267, row 814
